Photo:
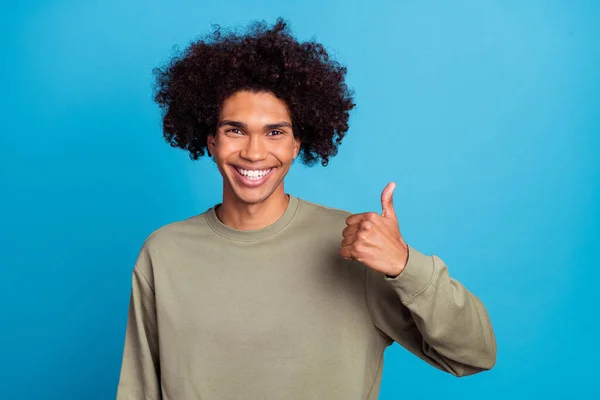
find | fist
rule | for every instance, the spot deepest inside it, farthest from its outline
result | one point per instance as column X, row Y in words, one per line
column 375, row 240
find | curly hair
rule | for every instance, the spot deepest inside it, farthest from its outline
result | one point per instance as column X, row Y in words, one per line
column 191, row 88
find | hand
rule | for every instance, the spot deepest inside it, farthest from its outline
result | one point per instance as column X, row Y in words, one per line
column 375, row 240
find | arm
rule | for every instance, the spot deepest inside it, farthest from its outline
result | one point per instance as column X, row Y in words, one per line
column 140, row 371
column 432, row 315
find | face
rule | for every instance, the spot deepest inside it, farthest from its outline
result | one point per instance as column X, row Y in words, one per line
column 254, row 146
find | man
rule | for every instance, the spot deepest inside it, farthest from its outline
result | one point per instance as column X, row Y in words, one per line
column 265, row 295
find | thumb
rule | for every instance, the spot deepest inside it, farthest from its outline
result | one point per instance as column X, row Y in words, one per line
column 387, row 204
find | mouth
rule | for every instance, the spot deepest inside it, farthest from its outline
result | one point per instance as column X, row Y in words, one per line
column 252, row 177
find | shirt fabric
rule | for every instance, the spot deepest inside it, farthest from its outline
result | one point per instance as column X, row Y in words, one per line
column 277, row 313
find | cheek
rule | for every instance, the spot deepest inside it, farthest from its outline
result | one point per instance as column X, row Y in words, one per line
column 225, row 150
column 284, row 153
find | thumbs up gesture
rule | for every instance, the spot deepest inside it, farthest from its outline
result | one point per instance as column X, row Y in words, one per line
column 375, row 239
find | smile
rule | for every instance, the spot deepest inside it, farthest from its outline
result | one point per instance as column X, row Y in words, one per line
column 252, row 177
column 253, row 173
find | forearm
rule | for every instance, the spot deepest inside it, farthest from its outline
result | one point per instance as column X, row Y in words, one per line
column 450, row 326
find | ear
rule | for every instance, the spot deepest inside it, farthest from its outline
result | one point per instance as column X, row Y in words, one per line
column 297, row 144
column 210, row 144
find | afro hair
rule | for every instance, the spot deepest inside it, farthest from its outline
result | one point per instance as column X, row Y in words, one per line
column 191, row 88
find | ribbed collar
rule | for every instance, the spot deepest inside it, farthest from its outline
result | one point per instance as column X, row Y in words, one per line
column 256, row 234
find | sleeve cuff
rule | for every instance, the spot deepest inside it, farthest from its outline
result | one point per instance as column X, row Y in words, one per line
column 416, row 276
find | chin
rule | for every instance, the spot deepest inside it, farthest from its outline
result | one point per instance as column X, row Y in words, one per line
column 252, row 198
column 251, row 195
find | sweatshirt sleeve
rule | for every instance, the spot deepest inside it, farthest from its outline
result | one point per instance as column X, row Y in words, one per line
column 140, row 371
column 432, row 315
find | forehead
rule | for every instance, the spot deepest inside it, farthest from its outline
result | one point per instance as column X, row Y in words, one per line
column 245, row 105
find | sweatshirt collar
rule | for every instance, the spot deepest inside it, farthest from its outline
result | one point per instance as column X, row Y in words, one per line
column 255, row 234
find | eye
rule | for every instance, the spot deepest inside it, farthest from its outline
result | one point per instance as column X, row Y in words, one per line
column 233, row 131
column 275, row 133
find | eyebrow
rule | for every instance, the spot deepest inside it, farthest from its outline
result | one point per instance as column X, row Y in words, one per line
column 238, row 124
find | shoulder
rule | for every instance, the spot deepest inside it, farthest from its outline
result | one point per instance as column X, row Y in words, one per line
column 178, row 229
column 172, row 236
column 322, row 214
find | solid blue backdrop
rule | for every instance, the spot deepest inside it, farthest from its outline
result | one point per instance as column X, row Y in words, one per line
column 486, row 114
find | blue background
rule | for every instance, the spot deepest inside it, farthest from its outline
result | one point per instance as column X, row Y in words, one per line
column 485, row 113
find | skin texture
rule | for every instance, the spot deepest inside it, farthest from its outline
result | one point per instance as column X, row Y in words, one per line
column 254, row 133
column 375, row 239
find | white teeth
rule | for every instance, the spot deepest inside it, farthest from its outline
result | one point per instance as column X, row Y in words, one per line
column 253, row 174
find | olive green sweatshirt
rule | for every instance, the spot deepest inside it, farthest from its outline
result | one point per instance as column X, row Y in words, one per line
column 276, row 313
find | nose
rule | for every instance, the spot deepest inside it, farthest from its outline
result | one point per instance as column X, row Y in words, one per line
column 254, row 149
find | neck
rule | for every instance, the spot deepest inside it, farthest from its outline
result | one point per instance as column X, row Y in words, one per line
column 243, row 216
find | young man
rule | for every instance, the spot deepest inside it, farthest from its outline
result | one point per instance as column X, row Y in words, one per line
column 268, row 296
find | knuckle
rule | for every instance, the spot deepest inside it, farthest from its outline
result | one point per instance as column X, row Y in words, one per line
column 357, row 248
